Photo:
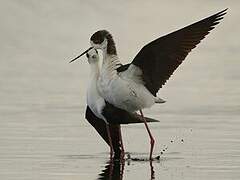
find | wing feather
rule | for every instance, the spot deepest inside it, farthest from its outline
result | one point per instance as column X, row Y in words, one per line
column 161, row 57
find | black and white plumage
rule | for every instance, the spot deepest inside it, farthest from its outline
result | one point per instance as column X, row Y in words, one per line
column 102, row 115
column 134, row 86
column 100, row 126
column 160, row 58
column 99, row 106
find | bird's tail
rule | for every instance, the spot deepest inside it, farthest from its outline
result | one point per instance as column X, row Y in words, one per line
column 133, row 118
column 116, row 115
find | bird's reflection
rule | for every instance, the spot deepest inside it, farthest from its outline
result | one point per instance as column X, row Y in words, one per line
column 152, row 171
column 114, row 170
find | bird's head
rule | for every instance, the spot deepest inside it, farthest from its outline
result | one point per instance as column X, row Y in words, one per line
column 99, row 39
column 92, row 56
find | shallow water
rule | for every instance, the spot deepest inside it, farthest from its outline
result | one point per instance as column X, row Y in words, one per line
column 43, row 133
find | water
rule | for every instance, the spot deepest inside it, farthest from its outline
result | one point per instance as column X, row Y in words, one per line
column 43, row 133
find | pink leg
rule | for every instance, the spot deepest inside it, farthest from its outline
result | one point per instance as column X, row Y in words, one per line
column 122, row 147
column 152, row 141
column 110, row 141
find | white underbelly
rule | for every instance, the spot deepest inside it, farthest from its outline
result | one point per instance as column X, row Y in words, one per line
column 125, row 94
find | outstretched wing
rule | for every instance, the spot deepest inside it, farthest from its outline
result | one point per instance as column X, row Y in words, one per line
column 160, row 58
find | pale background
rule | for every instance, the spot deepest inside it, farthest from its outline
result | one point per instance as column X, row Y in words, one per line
column 43, row 133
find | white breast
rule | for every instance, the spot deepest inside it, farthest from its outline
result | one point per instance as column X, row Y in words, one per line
column 95, row 102
column 124, row 91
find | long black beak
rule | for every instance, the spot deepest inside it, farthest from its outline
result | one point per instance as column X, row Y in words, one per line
column 80, row 55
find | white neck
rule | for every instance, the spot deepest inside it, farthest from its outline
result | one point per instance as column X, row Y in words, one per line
column 94, row 70
column 94, row 100
column 92, row 83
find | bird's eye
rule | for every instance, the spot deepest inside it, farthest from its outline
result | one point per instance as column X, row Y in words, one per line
column 94, row 56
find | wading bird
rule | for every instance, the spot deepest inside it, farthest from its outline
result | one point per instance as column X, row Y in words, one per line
column 104, row 117
column 134, row 86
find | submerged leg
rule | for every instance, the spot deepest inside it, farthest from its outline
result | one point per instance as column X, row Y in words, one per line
column 152, row 141
column 110, row 141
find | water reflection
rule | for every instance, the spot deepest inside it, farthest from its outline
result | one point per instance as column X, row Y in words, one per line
column 114, row 170
column 152, row 171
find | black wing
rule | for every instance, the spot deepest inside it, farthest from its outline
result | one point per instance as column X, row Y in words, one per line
column 116, row 115
column 160, row 58
column 123, row 67
column 100, row 127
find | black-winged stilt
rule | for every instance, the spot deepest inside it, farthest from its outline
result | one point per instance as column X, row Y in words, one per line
column 104, row 117
column 134, row 86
